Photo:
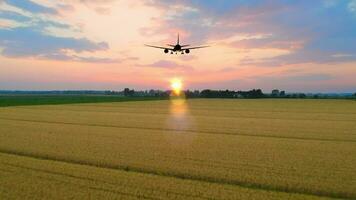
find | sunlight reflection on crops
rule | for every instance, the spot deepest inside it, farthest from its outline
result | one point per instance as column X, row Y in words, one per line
column 179, row 121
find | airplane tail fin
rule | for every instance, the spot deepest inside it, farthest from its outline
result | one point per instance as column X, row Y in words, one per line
column 178, row 39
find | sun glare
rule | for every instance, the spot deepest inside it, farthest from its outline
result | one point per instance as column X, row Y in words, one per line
column 176, row 85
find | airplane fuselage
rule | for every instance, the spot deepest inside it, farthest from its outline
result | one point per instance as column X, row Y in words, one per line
column 177, row 48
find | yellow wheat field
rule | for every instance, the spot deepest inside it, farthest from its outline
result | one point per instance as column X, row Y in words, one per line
column 194, row 149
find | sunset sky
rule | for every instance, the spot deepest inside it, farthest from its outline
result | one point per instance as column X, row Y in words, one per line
column 298, row 46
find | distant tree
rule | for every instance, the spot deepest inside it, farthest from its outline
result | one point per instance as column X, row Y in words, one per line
column 206, row 94
column 282, row 93
column 196, row 93
column 302, row 95
column 192, row 94
column 111, row 92
column 152, row 92
column 275, row 93
column 315, row 96
column 227, row 94
column 255, row 93
column 217, row 93
column 189, row 94
column 128, row 92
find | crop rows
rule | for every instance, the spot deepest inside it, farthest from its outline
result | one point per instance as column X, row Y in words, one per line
column 217, row 147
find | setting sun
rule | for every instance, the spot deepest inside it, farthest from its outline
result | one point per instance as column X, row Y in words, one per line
column 176, row 85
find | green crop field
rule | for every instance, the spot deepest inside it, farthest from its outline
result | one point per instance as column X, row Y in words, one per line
column 194, row 149
column 22, row 100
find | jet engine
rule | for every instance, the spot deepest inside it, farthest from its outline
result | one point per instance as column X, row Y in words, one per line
column 187, row 51
column 166, row 51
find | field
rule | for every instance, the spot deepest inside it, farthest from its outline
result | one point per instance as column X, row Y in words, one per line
column 21, row 100
column 194, row 149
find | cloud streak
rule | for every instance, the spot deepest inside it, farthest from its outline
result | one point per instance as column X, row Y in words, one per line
column 26, row 42
column 30, row 6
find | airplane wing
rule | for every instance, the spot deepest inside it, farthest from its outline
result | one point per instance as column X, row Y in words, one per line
column 158, row 47
column 195, row 48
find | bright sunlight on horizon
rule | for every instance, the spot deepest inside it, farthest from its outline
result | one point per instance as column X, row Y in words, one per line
column 177, row 86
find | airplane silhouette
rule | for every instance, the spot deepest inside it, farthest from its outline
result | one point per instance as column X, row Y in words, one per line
column 177, row 48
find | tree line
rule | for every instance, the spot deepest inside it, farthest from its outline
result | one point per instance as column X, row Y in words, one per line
column 249, row 94
column 207, row 93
